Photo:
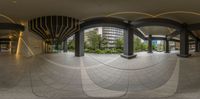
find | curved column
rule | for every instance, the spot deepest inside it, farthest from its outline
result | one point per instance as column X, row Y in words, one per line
column 128, row 44
column 150, row 44
column 79, row 43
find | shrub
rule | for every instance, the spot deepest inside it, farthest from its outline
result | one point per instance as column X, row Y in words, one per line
column 98, row 51
column 119, row 50
column 107, row 51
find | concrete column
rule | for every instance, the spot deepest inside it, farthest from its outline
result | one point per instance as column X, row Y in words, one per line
column 45, row 47
column 10, row 46
column 65, row 46
column 79, row 43
column 0, row 47
column 196, row 45
column 184, row 44
column 128, row 44
column 166, row 45
column 150, row 44
column 199, row 45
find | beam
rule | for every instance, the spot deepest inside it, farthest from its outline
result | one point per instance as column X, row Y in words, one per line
column 104, row 22
column 11, row 26
column 7, row 42
column 194, row 27
column 158, row 38
column 5, row 39
column 175, row 40
column 139, row 34
column 175, row 33
column 192, row 35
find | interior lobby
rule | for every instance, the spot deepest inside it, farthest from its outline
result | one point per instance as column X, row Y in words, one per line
column 36, row 63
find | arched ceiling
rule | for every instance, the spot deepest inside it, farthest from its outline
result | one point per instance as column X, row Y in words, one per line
column 187, row 11
column 156, row 30
column 82, row 9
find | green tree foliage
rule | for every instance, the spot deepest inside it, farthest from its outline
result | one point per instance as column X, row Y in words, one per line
column 95, row 41
column 71, row 44
column 119, row 43
column 154, row 47
column 160, row 47
column 139, row 45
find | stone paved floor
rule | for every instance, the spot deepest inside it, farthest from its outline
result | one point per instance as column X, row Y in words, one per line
column 63, row 76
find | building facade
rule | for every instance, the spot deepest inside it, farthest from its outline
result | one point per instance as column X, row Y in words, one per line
column 111, row 34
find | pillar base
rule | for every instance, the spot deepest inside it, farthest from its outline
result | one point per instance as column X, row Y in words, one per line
column 128, row 56
column 150, row 52
column 167, row 52
column 184, row 56
column 79, row 55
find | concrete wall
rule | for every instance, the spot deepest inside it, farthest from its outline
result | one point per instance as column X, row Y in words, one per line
column 30, row 44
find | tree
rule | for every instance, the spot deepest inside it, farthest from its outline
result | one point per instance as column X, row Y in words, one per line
column 119, row 43
column 93, row 40
column 137, row 44
column 103, row 42
column 154, row 47
column 71, row 44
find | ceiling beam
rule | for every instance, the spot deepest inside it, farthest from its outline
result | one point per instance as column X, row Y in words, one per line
column 11, row 26
column 104, row 22
column 173, row 34
column 5, row 39
column 139, row 34
column 193, row 27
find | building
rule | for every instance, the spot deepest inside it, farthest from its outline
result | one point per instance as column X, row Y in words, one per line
column 111, row 34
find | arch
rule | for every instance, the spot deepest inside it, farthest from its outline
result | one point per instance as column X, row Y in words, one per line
column 157, row 22
column 104, row 21
column 8, row 18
